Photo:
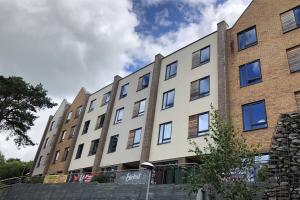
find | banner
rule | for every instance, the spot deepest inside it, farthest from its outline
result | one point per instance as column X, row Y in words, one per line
column 53, row 179
column 81, row 178
column 133, row 177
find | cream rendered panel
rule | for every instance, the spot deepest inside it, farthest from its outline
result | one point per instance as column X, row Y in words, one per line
column 183, row 107
column 122, row 154
column 85, row 160
column 50, row 134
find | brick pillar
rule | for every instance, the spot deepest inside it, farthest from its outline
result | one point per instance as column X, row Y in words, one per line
column 106, row 123
column 223, row 104
column 41, row 145
column 151, row 110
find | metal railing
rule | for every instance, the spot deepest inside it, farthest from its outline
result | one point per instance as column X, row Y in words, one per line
column 5, row 183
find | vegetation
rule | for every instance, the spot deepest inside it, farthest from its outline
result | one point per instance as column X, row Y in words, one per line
column 225, row 163
column 101, row 179
column 19, row 101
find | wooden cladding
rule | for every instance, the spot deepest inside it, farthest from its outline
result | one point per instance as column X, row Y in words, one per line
column 293, row 55
column 193, row 126
column 194, row 90
column 196, row 59
column 297, row 97
column 288, row 21
column 136, row 108
column 130, row 139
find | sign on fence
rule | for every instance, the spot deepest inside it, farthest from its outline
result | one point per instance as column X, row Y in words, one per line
column 55, row 179
column 133, row 177
column 81, row 178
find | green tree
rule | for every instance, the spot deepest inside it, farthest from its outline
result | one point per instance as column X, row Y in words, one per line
column 19, row 102
column 225, row 163
column 14, row 168
column 2, row 159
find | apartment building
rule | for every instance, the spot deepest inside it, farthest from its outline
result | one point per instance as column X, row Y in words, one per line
column 64, row 146
column 42, row 158
column 263, row 51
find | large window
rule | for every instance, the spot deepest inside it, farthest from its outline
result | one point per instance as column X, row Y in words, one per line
column 93, row 148
column 113, row 143
column 92, row 105
column 247, row 38
column 119, row 116
column 250, row 74
column 171, row 70
column 105, row 98
column 201, row 57
column 254, row 116
column 134, row 138
column 100, row 121
column 69, row 116
column 290, row 20
column 79, row 151
column 66, row 153
column 200, row 88
column 165, row 132
column 139, row 108
column 86, row 127
column 143, row 82
column 56, row 157
column 168, row 99
column 203, row 123
column 124, row 90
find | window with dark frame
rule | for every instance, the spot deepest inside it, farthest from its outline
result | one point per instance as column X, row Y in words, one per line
column 250, row 73
column 203, row 123
column 69, row 116
column 290, row 20
column 39, row 162
column 165, row 132
column 139, row 108
column 92, row 105
column 56, row 157
column 297, row 15
column 171, row 70
column 168, row 99
column 93, row 148
column 254, row 116
column 100, row 121
column 86, row 127
column 79, row 151
column 63, row 136
column 46, row 143
column 200, row 88
column 201, row 57
column 247, row 38
column 106, row 98
column 143, row 82
column 124, row 90
column 72, row 132
column 66, row 153
column 51, row 126
column 78, row 111
column 134, row 138
column 119, row 116
column 293, row 55
column 113, row 143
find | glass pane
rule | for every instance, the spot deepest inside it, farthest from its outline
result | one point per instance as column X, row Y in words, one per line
column 137, row 136
column 243, row 76
column 253, row 72
column 145, row 80
column 251, row 36
column 168, row 130
column 120, row 115
column 165, row 97
column 246, row 118
column 203, row 122
column 258, row 115
column 142, row 106
column 204, row 86
column 170, row 99
column 204, row 55
column 161, row 131
column 173, row 69
column 297, row 15
column 241, row 41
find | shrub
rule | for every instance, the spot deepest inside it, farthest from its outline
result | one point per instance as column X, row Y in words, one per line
column 101, row 179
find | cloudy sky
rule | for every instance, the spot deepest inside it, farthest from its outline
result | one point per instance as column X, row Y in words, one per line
column 67, row 44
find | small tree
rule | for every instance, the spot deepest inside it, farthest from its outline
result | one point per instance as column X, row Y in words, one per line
column 2, row 159
column 19, row 101
column 225, row 163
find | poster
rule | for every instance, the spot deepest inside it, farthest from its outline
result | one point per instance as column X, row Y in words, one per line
column 53, row 179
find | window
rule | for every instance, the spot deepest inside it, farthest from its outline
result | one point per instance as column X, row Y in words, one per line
column 297, row 97
column 113, row 143
column 39, row 162
column 119, row 116
column 171, row 70
column 201, row 57
column 254, row 116
column 290, row 20
column 247, row 38
column 51, row 126
column 72, row 132
column 139, row 108
column 250, row 74
column 124, row 91
column 94, row 146
column 69, row 116
column 100, row 121
column 78, row 111
column 198, row 125
column 92, row 105
column 106, row 98
column 134, row 138
column 200, row 88
column 168, row 99
column 86, row 127
column 143, row 82
column 66, row 153
column 46, row 143
column 63, row 135
column 56, row 157
column 79, row 151
column 293, row 55
column 165, row 131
